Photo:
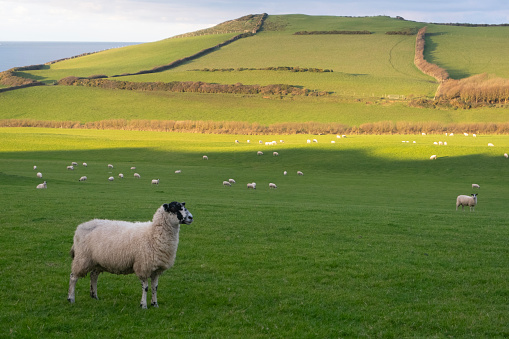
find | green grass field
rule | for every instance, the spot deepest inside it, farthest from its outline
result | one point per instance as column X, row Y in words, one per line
column 366, row 243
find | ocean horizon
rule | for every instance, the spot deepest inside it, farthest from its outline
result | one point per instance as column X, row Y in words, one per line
column 27, row 53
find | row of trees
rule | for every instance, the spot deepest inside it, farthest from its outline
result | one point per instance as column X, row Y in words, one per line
column 191, row 86
column 477, row 89
column 427, row 68
column 279, row 68
column 330, row 32
column 239, row 127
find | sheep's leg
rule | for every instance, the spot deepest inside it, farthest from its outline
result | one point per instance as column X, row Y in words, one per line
column 154, row 278
column 72, row 287
column 144, row 287
column 94, row 275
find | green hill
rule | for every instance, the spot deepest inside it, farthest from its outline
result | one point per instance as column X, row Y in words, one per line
column 365, row 77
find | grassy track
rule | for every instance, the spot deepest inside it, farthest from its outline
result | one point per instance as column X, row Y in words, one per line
column 366, row 243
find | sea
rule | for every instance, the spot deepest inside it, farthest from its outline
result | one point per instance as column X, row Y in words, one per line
column 27, row 53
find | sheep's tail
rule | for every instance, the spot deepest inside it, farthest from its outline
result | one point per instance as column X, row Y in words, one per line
column 72, row 251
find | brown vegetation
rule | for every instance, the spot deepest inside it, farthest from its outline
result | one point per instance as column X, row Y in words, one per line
column 248, row 23
column 330, row 32
column 12, row 81
column 279, row 68
column 474, row 90
column 427, row 68
column 246, row 128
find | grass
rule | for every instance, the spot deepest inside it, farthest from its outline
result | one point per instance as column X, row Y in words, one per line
column 366, row 243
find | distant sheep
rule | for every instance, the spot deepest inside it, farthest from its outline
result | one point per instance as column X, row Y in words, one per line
column 35, row 167
column 259, row 153
column 474, row 135
column 236, row 141
column 231, row 181
column 110, row 166
column 226, row 183
column 433, row 157
column 39, row 175
column 83, row 178
column 85, row 164
column 466, row 200
column 300, row 173
column 506, row 155
column 155, row 181
column 205, row 157
column 43, row 185
column 275, row 154
column 252, row 185
column 70, row 168
column 121, row 176
column 136, row 175
column 490, row 144
column 178, row 171
column 133, row 168
column 475, row 186
column 285, row 172
column 74, row 163
column 272, row 185
column 111, row 178
column 146, row 249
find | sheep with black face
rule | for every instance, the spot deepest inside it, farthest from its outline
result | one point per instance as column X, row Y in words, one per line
column 146, row 249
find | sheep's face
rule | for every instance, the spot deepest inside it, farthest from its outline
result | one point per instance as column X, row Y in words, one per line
column 180, row 210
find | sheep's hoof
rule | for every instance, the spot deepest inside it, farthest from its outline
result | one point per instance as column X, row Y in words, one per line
column 70, row 300
column 155, row 304
column 143, row 306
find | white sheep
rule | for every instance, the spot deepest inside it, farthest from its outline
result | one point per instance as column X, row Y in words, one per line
column 259, row 153
column 39, row 175
column 433, row 157
column 133, row 168
column 136, row 175
column 85, row 164
column 83, row 178
column 490, row 144
column 70, row 168
column 475, row 186
column 506, row 155
column 451, row 134
column 74, row 163
column 275, row 154
column 466, row 200
column 285, row 172
column 231, row 181
column 236, row 141
column 314, row 140
column 300, row 173
column 205, row 157
column 272, row 185
column 121, row 176
column 332, row 142
column 110, row 166
column 248, row 141
column 474, row 135
column 178, row 171
column 35, row 167
column 43, row 185
column 155, row 181
column 226, row 183
column 465, row 134
column 146, row 249
column 111, row 178
column 252, row 185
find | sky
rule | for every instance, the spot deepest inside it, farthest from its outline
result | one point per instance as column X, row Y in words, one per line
column 153, row 20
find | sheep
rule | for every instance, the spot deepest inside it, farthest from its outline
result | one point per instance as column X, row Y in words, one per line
column 252, row 185
column 285, row 172
column 85, row 164
column 490, row 144
column 433, row 157
column 344, row 136
column 236, row 141
column 121, row 176
column 260, row 142
column 445, row 143
column 451, row 134
column 111, row 178
column 70, row 168
column 314, row 140
column 35, row 167
column 259, row 153
column 110, row 166
column 465, row 134
column 275, row 154
column 272, row 185
column 466, row 200
column 248, row 141
column 475, row 186
column 133, row 168
column 74, row 163
column 423, row 133
column 231, row 181
column 226, row 183
column 300, row 173
column 308, row 141
column 205, row 157
column 474, row 135
column 506, row 155
column 43, row 185
column 146, row 249
column 155, row 181
column 39, row 175
column 332, row 142
column 83, row 178
column 136, row 175
column 178, row 171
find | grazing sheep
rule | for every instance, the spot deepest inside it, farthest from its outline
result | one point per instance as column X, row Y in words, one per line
column 43, row 185
column 275, row 154
column 260, row 142
column 178, row 171
column 285, row 173
column 465, row 134
column 490, row 144
column 475, row 186
column 74, row 163
column 35, row 167
column 423, row 133
column 226, row 183
column 506, row 155
column 248, row 141
column 231, row 181
column 259, row 153
column 332, row 142
column 70, row 168
column 133, row 168
column 39, row 175
column 272, row 185
column 314, row 140
column 136, row 175
column 252, row 185
column 445, row 143
column 308, row 141
column 236, row 141
column 110, row 166
column 344, row 136
column 121, row 176
column 466, row 200
column 474, row 135
column 146, row 249
column 85, row 164
column 300, row 173
column 155, row 181
column 433, row 157
column 205, row 157
column 83, row 178
column 111, row 178
column 451, row 134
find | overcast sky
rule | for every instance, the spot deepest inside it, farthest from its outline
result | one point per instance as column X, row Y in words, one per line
column 152, row 20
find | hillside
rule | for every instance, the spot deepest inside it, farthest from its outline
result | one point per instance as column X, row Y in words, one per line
column 353, row 78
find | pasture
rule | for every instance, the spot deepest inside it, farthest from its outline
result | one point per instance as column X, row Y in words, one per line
column 367, row 243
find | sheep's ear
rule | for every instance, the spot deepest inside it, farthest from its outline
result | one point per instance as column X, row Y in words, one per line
column 183, row 204
column 166, row 207
column 172, row 207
